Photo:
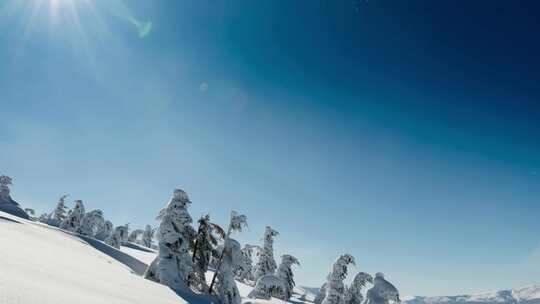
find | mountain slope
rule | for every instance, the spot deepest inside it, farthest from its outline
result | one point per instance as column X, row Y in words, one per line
column 524, row 295
column 40, row 264
column 46, row 265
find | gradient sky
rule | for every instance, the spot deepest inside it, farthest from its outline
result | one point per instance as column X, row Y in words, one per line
column 406, row 133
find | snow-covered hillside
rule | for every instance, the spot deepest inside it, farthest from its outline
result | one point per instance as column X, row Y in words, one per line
column 524, row 295
column 46, row 265
column 42, row 264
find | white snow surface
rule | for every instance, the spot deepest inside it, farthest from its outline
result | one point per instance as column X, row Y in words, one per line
column 45, row 265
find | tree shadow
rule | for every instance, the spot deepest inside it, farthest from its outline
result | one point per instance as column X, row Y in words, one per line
column 194, row 298
column 132, row 263
column 9, row 220
column 137, row 247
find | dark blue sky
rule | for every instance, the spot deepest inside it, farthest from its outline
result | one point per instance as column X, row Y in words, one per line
column 462, row 75
column 406, row 133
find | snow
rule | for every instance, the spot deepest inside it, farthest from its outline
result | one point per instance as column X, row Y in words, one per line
column 43, row 264
column 524, row 295
column 48, row 266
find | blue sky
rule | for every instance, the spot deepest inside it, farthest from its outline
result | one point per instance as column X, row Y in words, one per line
column 406, row 134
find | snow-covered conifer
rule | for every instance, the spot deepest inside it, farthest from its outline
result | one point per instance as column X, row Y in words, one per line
column 30, row 212
column 173, row 264
column 117, row 237
column 148, row 236
column 321, row 295
column 74, row 217
column 267, row 286
column 266, row 263
column 285, row 273
column 334, row 289
column 44, row 218
column 59, row 213
column 91, row 223
column 279, row 285
column 382, row 291
column 104, row 231
column 237, row 223
column 353, row 294
column 5, row 182
column 226, row 286
column 206, row 240
column 244, row 269
column 134, row 235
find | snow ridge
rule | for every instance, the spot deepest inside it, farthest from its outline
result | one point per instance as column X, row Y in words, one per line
column 523, row 295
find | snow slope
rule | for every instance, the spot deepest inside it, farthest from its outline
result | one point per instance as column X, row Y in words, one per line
column 41, row 264
column 45, row 265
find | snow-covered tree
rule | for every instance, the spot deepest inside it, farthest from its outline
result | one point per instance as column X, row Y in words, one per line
column 74, row 218
column 148, row 236
column 7, row 204
column 5, row 182
column 279, row 285
column 92, row 223
column 104, row 231
column 267, row 286
column 382, row 291
column 285, row 273
column 244, row 269
column 44, row 218
column 334, row 289
column 226, row 285
column 118, row 236
column 59, row 213
column 266, row 263
column 134, row 235
column 30, row 212
column 173, row 264
column 206, row 240
column 353, row 294
column 237, row 223
column 321, row 295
